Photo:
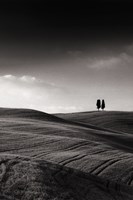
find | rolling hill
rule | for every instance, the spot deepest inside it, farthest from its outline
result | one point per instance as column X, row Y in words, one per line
column 114, row 120
column 66, row 156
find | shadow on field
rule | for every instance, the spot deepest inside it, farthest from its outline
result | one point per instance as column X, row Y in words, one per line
column 22, row 178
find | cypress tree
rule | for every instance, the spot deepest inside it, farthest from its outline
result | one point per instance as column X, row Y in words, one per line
column 103, row 104
column 98, row 104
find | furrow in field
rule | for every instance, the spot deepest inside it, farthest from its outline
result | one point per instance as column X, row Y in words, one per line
column 67, row 159
column 101, row 168
column 98, row 166
column 79, row 145
column 47, row 150
column 64, row 163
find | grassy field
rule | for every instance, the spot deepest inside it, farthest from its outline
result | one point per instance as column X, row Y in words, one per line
column 66, row 156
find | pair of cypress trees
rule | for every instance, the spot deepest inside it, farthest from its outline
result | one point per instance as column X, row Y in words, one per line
column 100, row 105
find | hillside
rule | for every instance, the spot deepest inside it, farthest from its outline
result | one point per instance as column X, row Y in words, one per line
column 26, row 114
column 114, row 120
column 91, row 151
column 23, row 178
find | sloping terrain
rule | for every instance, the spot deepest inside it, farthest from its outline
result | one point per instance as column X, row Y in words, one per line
column 93, row 160
column 22, row 178
column 115, row 120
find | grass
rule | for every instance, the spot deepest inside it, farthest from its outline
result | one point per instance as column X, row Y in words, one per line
column 90, row 153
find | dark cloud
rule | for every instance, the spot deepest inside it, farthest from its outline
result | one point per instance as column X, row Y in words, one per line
column 60, row 20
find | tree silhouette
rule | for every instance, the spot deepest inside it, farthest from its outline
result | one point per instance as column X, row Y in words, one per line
column 103, row 104
column 98, row 104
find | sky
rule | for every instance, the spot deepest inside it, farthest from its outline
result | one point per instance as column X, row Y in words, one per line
column 61, row 56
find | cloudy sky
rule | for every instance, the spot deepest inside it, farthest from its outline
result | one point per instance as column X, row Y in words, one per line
column 61, row 56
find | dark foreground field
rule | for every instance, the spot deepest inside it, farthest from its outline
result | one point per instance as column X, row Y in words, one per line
column 79, row 156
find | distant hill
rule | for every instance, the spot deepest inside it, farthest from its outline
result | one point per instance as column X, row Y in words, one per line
column 115, row 120
column 26, row 113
